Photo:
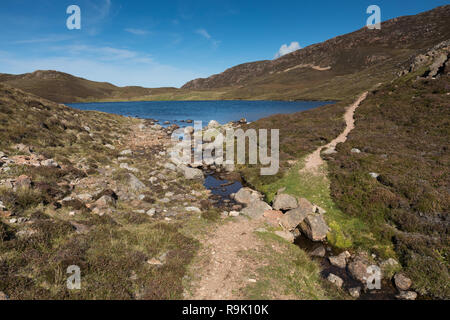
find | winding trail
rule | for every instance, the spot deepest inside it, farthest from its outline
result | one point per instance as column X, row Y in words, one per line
column 313, row 161
column 224, row 271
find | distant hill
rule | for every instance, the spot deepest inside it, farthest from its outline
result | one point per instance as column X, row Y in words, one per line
column 62, row 87
column 337, row 68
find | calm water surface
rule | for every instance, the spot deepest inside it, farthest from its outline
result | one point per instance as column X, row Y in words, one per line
column 221, row 111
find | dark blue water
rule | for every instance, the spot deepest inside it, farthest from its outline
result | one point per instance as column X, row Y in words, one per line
column 221, row 111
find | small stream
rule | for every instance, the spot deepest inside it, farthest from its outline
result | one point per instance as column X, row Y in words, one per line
column 222, row 185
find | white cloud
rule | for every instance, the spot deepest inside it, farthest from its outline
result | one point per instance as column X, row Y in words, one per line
column 203, row 33
column 138, row 32
column 285, row 49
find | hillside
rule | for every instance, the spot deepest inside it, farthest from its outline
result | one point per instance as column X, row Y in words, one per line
column 387, row 187
column 338, row 68
column 64, row 88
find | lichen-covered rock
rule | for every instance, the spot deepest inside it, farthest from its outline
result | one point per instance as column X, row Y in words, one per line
column 284, row 202
column 314, row 227
column 256, row 209
column 402, row 282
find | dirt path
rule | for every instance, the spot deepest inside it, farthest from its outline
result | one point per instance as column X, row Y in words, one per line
column 314, row 161
column 224, row 272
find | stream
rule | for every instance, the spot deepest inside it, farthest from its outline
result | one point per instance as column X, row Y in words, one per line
column 222, row 185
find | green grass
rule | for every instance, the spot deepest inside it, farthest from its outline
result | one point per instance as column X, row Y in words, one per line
column 287, row 272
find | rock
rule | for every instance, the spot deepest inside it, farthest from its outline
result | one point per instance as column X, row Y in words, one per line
column 127, row 167
column 358, row 268
column 155, row 262
column 110, row 146
column 319, row 251
column 355, row 292
column 284, row 202
column 193, row 174
column 314, row 227
column 256, row 209
column 374, row 175
column 157, row 127
column 340, row 260
column 170, row 166
column 80, row 228
column 233, row 214
column 126, row 152
column 213, row 124
column 355, row 150
column 2, row 154
column 247, row 195
column 189, row 130
column 319, row 210
column 2, row 206
column 402, row 282
column 389, row 263
column 193, row 209
column 151, row 212
column 329, row 151
column 437, row 65
column 407, row 295
column 153, row 180
column 286, row 235
column 334, row 279
column 229, row 167
column 84, row 197
column 273, row 217
column 294, row 217
column 134, row 183
column 105, row 201
column 50, row 163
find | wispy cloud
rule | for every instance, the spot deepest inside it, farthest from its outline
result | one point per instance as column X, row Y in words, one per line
column 50, row 38
column 203, row 33
column 208, row 37
column 138, row 32
column 285, row 49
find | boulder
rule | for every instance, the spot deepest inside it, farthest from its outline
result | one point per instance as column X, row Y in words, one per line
column 355, row 292
column 314, row 227
column 284, row 202
column 319, row 251
column 407, row 295
column 193, row 174
column 273, row 217
column 402, row 282
column 247, row 195
column 334, row 279
column 286, row 235
column 358, row 268
column 50, row 163
column 105, row 201
column 134, row 183
column 340, row 260
column 294, row 217
column 213, row 124
column 256, row 209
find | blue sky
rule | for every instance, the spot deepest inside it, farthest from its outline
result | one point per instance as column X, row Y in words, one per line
column 166, row 43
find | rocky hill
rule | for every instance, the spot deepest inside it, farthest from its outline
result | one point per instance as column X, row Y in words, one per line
column 336, row 68
column 65, row 88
